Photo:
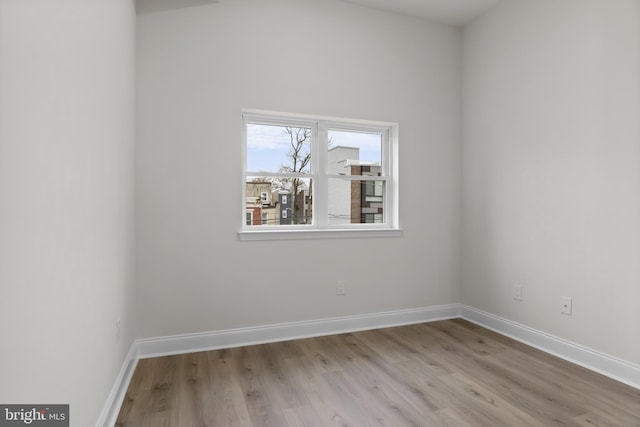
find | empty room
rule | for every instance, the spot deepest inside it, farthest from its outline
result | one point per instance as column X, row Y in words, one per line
column 319, row 213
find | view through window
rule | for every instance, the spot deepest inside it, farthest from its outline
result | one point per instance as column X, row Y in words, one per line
column 316, row 173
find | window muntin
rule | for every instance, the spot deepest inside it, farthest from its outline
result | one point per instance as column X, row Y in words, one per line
column 312, row 173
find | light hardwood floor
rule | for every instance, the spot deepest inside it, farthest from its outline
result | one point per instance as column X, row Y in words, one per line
column 447, row 373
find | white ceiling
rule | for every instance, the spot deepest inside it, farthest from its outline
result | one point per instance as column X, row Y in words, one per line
column 146, row 6
column 453, row 12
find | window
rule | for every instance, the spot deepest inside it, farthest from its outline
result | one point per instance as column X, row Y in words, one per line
column 372, row 191
column 372, row 218
column 318, row 177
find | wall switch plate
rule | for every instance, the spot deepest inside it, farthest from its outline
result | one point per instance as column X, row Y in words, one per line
column 517, row 292
column 565, row 305
column 118, row 329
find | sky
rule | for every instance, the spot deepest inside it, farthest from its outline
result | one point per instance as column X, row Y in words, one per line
column 267, row 146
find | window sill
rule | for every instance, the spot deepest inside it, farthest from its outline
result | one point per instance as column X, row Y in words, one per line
column 247, row 235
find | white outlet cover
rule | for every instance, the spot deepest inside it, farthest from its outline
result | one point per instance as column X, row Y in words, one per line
column 517, row 293
column 566, row 305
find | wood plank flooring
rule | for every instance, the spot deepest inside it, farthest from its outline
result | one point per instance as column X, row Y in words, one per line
column 448, row 373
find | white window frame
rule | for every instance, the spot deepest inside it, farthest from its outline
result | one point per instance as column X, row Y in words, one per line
column 320, row 228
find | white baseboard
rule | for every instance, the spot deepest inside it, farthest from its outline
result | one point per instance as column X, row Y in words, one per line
column 116, row 397
column 617, row 369
column 188, row 343
column 604, row 364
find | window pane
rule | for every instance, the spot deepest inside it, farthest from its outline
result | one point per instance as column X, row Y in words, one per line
column 372, row 191
column 355, row 153
column 354, row 202
column 279, row 201
column 278, row 148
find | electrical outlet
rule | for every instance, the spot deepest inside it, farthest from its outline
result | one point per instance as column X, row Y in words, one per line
column 118, row 329
column 340, row 289
column 517, row 292
column 565, row 305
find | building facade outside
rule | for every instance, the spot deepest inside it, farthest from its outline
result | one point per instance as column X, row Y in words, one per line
column 349, row 202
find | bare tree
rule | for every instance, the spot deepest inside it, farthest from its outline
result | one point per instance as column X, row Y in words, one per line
column 299, row 155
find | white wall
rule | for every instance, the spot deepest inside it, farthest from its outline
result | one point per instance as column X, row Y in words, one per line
column 66, row 200
column 197, row 68
column 552, row 168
